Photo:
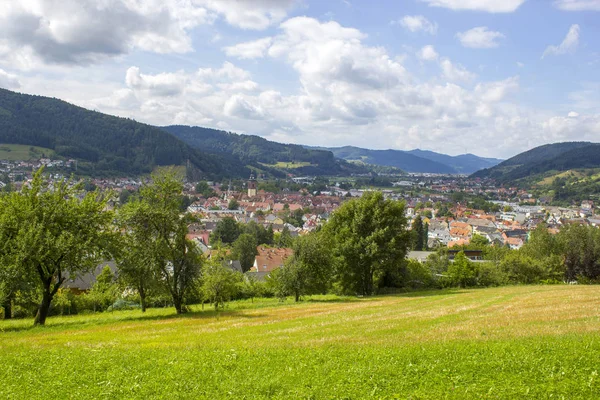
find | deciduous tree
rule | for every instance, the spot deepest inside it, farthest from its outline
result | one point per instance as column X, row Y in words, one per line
column 369, row 236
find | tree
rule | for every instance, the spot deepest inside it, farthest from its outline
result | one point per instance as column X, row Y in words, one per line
column 233, row 204
column 370, row 238
column 244, row 250
column 226, row 231
column 203, row 189
column 285, row 238
column 177, row 259
column 462, row 272
column 417, row 233
column 219, row 283
column 135, row 260
column 580, row 249
column 55, row 232
column 309, row 270
column 104, row 291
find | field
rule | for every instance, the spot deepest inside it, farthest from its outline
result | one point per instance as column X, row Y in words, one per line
column 289, row 165
column 17, row 152
column 501, row 343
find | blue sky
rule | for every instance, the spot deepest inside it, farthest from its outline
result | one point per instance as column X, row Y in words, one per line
column 488, row 77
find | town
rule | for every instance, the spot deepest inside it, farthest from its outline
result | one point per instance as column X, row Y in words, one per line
column 453, row 209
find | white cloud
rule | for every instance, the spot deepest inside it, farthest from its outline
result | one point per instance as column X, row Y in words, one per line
column 568, row 45
column 253, row 49
column 238, row 106
column 573, row 114
column 520, row 64
column 251, row 14
column 479, row 38
column 427, row 53
column 578, row 5
column 86, row 31
column 8, row 81
column 347, row 91
column 416, row 23
column 83, row 32
column 492, row 6
column 455, row 72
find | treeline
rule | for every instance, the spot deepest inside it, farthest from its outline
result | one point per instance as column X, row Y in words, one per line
column 105, row 145
column 51, row 233
column 572, row 255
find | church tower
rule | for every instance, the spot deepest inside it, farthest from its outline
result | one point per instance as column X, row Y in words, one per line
column 251, row 186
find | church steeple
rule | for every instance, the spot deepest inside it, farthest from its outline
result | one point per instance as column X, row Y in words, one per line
column 251, row 186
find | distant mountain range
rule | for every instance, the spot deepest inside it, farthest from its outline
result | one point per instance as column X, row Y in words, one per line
column 544, row 159
column 108, row 145
column 415, row 160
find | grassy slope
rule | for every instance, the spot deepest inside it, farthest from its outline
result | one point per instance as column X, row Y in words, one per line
column 512, row 342
column 19, row 152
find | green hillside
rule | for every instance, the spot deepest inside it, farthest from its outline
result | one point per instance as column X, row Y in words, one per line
column 542, row 159
column 104, row 144
column 266, row 155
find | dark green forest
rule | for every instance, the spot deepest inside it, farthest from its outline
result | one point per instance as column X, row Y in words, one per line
column 253, row 149
column 104, row 144
column 550, row 157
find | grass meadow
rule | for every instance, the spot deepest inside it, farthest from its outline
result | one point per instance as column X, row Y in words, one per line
column 16, row 152
column 500, row 343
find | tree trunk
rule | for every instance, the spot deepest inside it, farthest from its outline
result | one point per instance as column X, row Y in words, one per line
column 142, row 298
column 178, row 303
column 7, row 308
column 44, row 308
column 297, row 296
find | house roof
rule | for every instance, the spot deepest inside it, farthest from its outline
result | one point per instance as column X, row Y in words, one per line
column 269, row 259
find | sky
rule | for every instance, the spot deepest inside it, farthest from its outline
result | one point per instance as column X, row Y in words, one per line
column 489, row 77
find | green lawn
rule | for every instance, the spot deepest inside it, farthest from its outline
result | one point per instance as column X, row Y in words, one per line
column 511, row 342
column 19, row 152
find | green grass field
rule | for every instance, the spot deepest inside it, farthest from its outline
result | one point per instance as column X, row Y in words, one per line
column 289, row 165
column 18, row 152
column 502, row 343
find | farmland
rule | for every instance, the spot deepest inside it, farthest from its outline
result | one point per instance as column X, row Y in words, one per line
column 510, row 342
column 17, row 152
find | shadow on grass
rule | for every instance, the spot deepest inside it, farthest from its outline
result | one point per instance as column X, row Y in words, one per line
column 428, row 293
column 108, row 318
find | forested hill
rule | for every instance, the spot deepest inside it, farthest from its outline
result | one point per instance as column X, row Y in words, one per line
column 463, row 163
column 551, row 157
column 262, row 153
column 104, row 144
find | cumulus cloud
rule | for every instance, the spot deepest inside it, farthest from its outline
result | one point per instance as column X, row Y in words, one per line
column 347, row 92
column 492, row 6
column 251, row 14
column 480, row 38
column 578, row 5
column 416, row 23
column 568, row 45
column 84, row 32
column 427, row 53
column 252, row 49
column 8, row 81
column 455, row 72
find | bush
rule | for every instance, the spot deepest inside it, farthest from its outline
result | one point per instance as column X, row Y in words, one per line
column 489, row 274
column 122, row 304
column 419, row 276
